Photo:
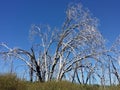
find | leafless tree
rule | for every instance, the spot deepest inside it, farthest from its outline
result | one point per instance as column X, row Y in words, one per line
column 115, row 58
column 77, row 48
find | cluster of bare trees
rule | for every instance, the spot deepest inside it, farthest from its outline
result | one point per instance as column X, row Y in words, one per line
column 76, row 52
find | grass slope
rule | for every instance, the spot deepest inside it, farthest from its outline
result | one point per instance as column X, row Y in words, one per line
column 11, row 82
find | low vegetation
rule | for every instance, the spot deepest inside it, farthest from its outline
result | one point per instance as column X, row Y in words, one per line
column 11, row 82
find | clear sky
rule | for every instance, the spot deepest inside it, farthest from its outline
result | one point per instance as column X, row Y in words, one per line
column 17, row 16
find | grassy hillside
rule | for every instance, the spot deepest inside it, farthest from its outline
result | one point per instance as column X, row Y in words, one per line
column 11, row 82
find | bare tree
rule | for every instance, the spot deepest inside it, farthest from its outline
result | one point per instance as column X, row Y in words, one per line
column 77, row 48
column 114, row 56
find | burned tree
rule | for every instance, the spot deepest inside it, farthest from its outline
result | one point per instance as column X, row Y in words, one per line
column 75, row 49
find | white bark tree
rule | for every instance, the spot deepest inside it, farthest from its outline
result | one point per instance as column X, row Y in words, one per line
column 75, row 48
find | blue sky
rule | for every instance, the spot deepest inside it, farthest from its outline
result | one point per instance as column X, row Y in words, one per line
column 17, row 16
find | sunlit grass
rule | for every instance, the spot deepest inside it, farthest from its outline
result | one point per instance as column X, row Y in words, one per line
column 11, row 82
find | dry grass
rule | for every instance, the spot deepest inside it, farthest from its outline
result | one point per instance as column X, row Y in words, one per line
column 11, row 82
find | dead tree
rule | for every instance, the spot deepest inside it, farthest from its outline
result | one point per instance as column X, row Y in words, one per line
column 56, row 52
